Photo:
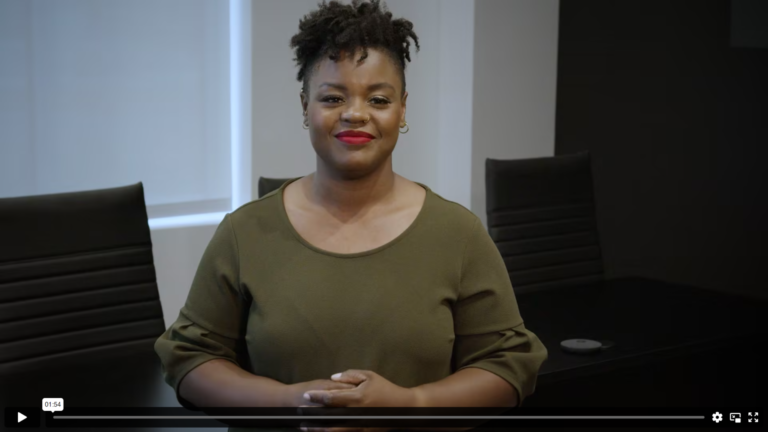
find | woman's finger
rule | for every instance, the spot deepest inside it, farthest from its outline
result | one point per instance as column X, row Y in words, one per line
column 333, row 398
column 318, row 396
column 352, row 376
column 340, row 385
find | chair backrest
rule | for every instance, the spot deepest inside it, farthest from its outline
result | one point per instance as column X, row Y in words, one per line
column 541, row 215
column 267, row 185
column 77, row 279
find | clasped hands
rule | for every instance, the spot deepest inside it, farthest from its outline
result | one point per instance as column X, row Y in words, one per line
column 365, row 389
column 370, row 390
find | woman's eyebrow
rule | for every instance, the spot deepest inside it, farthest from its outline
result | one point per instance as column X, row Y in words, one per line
column 381, row 85
column 370, row 87
column 333, row 85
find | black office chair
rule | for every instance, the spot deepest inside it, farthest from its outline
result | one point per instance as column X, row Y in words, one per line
column 541, row 215
column 267, row 185
column 77, row 279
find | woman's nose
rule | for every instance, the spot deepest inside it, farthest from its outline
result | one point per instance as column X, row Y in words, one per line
column 355, row 114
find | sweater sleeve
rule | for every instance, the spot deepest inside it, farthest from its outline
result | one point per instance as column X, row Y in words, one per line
column 490, row 333
column 211, row 322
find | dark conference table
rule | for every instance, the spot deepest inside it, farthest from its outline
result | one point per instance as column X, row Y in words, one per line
column 673, row 346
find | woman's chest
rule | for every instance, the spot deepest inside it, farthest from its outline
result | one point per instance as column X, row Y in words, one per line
column 346, row 233
column 330, row 235
column 341, row 315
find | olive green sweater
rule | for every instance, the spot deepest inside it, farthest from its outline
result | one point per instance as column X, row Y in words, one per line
column 434, row 300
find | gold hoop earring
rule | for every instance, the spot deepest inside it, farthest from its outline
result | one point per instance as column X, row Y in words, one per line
column 407, row 128
column 304, row 125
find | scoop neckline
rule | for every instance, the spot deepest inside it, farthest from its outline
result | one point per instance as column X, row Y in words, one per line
column 302, row 240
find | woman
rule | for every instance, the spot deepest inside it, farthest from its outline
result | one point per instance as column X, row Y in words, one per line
column 351, row 286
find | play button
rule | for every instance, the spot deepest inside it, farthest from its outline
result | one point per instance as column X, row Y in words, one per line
column 21, row 417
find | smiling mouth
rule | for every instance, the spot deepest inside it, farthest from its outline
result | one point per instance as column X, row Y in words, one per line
column 354, row 140
column 354, row 136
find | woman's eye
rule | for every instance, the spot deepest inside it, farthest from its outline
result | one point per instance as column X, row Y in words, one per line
column 332, row 99
column 379, row 101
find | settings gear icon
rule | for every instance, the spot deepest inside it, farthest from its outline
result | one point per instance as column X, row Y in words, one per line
column 717, row 417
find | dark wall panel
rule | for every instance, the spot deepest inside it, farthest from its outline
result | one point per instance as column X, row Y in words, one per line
column 676, row 120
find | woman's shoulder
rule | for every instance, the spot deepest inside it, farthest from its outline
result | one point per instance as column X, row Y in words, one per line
column 450, row 213
column 261, row 214
column 266, row 203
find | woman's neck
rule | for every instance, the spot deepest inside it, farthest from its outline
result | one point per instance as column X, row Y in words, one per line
column 344, row 196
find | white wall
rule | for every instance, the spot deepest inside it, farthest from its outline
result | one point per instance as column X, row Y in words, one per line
column 515, row 72
column 281, row 147
column 177, row 253
column 455, row 78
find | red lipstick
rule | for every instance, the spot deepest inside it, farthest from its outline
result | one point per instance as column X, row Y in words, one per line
column 354, row 137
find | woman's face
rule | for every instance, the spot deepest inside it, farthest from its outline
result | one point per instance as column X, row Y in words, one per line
column 349, row 98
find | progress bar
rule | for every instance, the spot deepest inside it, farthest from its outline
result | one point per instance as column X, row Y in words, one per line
column 140, row 417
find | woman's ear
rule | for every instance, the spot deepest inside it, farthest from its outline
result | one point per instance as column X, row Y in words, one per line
column 304, row 101
column 402, row 116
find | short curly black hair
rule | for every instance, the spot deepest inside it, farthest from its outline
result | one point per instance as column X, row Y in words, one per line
column 335, row 27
